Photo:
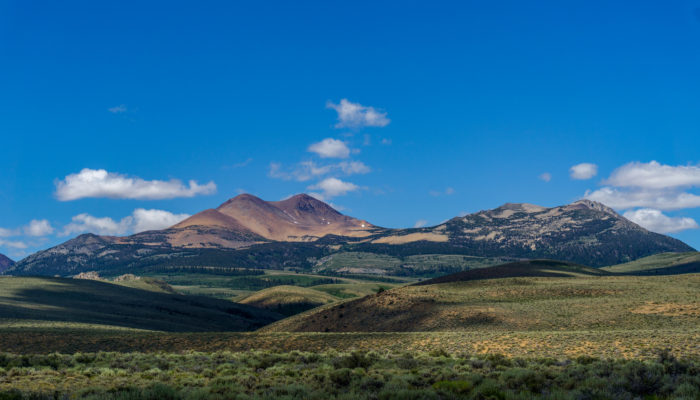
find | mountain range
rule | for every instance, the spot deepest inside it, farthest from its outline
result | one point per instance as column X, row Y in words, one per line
column 296, row 233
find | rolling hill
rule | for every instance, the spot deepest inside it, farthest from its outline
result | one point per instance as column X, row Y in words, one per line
column 533, row 296
column 520, row 269
column 287, row 300
column 660, row 264
column 306, row 234
column 60, row 302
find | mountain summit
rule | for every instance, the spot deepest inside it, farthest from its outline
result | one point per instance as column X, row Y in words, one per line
column 584, row 231
column 298, row 218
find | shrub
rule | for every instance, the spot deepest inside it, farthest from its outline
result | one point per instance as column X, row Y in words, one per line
column 356, row 359
column 458, row 387
column 488, row 389
column 341, row 377
column 641, row 378
column 523, row 379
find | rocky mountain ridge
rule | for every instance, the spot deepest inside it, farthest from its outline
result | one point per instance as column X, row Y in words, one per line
column 249, row 232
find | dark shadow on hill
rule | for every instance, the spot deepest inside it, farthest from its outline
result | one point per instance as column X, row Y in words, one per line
column 92, row 302
column 689, row 268
column 520, row 269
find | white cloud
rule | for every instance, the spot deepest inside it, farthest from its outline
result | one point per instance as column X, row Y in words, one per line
column 332, row 187
column 140, row 220
column 656, row 221
column 148, row 220
column 545, row 177
column 330, row 148
column 101, row 226
column 386, row 142
column 653, row 175
column 6, row 232
column 649, row 185
column 100, row 183
column 658, row 199
column 117, row 109
column 583, row 171
column 420, row 223
column 355, row 115
column 38, row 227
column 13, row 244
column 354, row 167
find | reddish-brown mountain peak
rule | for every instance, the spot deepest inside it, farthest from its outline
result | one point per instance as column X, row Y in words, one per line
column 211, row 218
column 242, row 199
column 305, row 204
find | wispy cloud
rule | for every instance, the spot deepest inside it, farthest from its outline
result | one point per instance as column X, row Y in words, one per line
column 420, row 223
column 240, row 164
column 546, row 177
column 14, row 244
column 355, row 115
column 447, row 192
column 118, row 109
column 308, row 170
column 98, row 183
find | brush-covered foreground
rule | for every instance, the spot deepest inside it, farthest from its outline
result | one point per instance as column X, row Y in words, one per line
column 342, row 375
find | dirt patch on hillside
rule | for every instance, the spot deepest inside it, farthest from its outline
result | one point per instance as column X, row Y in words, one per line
column 412, row 237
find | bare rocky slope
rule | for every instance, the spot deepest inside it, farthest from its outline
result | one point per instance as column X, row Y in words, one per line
column 295, row 233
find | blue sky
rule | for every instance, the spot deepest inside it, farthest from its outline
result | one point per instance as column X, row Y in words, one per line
column 419, row 111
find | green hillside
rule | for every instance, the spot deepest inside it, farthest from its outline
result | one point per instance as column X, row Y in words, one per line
column 566, row 303
column 287, row 300
column 59, row 302
column 660, row 264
